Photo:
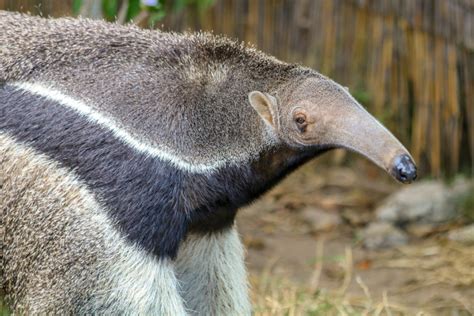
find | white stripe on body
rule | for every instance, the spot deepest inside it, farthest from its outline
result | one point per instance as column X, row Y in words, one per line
column 98, row 118
column 121, row 279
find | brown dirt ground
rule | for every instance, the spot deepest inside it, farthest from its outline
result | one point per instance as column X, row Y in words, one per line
column 427, row 276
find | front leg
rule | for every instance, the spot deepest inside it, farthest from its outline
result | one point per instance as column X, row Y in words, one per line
column 142, row 285
column 212, row 275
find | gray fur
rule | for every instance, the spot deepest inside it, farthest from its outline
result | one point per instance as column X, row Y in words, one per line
column 126, row 72
column 80, row 264
column 212, row 274
column 194, row 97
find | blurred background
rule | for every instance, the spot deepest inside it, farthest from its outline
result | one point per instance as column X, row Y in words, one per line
column 339, row 237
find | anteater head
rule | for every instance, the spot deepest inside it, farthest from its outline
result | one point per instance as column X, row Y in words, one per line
column 319, row 113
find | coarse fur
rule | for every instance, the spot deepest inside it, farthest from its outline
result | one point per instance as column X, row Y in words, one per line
column 211, row 270
column 83, row 266
column 61, row 254
column 131, row 183
column 126, row 154
column 82, row 65
column 80, row 57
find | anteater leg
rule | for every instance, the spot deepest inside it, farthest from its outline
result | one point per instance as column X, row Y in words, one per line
column 212, row 274
column 142, row 285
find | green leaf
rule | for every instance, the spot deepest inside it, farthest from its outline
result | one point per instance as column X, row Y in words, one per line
column 134, row 9
column 76, row 6
column 156, row 17
column 109, row 9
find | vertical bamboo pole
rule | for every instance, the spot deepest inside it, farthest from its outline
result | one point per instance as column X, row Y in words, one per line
column 469, row 100
column 329, row 38
column 452, row 107
column 252, row 20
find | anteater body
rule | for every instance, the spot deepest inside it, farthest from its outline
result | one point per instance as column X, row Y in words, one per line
column 126, row 153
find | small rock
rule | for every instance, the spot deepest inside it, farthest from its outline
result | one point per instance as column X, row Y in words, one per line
column 320, row 220
column 380, row 235
column 463, row 235
column 421, row 230
column 424, row 202
column 461, row 186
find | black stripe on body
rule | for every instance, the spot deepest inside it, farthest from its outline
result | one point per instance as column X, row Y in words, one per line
column 152, row 203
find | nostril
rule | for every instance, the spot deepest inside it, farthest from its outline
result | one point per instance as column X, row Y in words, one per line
column 405, row 169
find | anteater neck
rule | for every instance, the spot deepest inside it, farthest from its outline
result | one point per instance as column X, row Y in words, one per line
column 153, row 203
column 237, row 186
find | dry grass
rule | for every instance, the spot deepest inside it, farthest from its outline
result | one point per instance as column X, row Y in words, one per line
column 449, row 264
column 281, row 297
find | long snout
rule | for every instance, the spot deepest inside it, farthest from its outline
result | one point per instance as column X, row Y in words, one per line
column 359, row 131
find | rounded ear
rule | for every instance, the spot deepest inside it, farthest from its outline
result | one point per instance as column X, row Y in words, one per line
column 265, row 105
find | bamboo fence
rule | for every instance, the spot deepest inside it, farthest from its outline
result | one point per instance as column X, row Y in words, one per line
column 411, row 62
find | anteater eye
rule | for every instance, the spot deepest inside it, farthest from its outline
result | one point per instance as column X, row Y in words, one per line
column 300, row 120
column 301, row 124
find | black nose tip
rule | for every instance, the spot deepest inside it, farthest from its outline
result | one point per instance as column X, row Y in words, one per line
column 404, row 169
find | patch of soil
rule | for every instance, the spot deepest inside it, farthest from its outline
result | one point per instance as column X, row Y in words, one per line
column 277, row 237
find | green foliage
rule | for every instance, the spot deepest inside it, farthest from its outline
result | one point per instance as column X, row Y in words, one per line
column 154, row 11
column 134, row 9
column 201, row 5
column 466, row 205
column 362, row 96
column 109, row 9
column 76, row 6
column 4, row 311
